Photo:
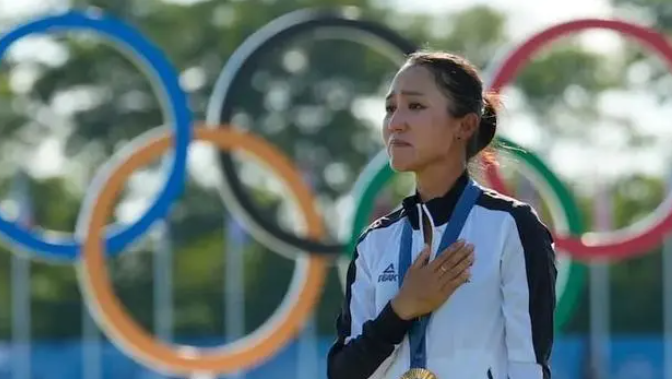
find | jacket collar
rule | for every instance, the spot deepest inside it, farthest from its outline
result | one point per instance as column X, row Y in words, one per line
column 440, row 208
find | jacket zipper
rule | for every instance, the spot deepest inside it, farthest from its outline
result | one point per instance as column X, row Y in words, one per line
column 436, row 240
column 421, row 223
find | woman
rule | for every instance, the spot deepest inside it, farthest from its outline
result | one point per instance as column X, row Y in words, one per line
column 478, row 307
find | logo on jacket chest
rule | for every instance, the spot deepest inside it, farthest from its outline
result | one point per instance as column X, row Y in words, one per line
column 388, row 275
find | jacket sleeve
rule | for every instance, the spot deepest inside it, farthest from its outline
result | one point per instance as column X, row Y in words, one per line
column 365, row 341
column 528, row 289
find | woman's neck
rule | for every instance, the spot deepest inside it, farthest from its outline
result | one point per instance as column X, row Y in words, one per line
column 436, row 180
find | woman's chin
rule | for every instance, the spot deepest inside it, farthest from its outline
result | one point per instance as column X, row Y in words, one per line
column 399, row 165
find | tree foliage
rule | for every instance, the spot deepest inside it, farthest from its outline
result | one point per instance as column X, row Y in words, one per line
column 311, row 99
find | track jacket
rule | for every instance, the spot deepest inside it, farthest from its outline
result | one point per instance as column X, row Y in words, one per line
column 497, row 326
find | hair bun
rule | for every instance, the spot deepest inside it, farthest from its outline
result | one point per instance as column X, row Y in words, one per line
column 488, row 125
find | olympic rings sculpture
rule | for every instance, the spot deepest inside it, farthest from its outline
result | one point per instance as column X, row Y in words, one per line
column 92, row 242
column 173, row 99
column 645, row 234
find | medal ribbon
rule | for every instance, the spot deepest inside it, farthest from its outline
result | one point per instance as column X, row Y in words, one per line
column 467, row 200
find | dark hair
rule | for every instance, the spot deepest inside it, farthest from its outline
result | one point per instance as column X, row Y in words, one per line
column 459, row 80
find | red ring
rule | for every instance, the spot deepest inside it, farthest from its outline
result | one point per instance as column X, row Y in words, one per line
column 625, row 245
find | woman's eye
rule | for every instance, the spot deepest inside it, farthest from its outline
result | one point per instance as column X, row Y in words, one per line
column 390, row 108
column 415, row 106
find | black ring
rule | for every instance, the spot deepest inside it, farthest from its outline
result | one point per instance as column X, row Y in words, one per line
column 244, row 61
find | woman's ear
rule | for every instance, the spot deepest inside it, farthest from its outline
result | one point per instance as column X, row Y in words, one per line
column 468, row 126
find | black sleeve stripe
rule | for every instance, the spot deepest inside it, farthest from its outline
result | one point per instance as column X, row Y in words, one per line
column 541, row 271
column 363, row 355
column 344, row 320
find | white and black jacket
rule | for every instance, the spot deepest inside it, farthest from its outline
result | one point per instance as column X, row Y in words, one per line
column 497, row 326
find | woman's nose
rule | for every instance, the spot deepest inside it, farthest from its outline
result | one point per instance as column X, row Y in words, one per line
column 397, row 121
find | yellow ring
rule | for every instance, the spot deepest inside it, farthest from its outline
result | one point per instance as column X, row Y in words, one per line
column 251, row 350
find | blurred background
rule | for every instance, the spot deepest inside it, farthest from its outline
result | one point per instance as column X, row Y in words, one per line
column 595, row 106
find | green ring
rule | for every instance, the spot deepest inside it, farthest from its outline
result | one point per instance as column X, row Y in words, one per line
column 378, row 173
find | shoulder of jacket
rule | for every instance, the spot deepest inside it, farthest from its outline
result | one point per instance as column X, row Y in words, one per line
column 381, row 223
column 523, row 218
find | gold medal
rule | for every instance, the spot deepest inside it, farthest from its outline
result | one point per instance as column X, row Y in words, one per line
column 418, row 373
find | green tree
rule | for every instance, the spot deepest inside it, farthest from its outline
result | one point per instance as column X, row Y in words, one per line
column 306, row 98
column 305, row 110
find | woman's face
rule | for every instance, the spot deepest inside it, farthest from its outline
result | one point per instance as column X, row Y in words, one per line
column 418, row 129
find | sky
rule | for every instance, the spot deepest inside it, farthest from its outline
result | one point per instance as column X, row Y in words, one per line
column 535, row 14
column 525, row 17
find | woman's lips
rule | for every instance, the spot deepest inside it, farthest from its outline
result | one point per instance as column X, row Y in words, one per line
column 398, row 143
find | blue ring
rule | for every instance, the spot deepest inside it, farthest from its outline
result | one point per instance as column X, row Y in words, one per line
column 116, row 239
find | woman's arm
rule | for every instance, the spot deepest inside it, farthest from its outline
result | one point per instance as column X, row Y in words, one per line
column 365, row 340
column 528, row 288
